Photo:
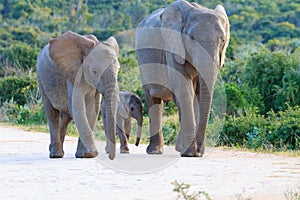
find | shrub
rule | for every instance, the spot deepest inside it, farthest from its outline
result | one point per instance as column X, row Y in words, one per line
column 276, row 75
column 241, row 98
column 287, row 132
column 170, row 129
column 24, row 114
column 21, row 55
column 183, row 192
column 235, row 130
column 277, row 131
column 21, row 89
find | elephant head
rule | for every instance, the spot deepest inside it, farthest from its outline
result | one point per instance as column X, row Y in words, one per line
column 89, row 65
column 131, row 106
column 201, row 34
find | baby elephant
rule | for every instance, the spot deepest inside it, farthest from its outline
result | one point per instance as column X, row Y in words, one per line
column 130, row 105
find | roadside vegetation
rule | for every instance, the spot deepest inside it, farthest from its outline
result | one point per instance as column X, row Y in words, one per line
column 260, row 81
column 184, row 193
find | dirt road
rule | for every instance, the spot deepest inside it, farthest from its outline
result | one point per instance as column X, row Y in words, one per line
column 26, row 172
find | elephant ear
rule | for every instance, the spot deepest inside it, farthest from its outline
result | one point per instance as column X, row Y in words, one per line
column 123, row 110
column 68, row 51
column 112, row 42
column 226, row 26
column 123, row 105
column 221, row 9
column 92, row 37
column 172, row 23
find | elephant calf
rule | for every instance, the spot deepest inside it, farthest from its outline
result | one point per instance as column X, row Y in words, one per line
column 130, row 105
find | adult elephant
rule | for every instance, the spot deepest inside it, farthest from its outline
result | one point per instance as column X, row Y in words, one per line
column 179, row 50
column 73, row 71
column 129, row 106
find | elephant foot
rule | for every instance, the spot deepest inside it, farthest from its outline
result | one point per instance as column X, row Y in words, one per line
column 201, row 150
column 83, row 152
column 124, row 150
column 91, row 154
column 56, row 151
column 191, row 151
column 106, row 149
column 155, row 149
column 177, row 147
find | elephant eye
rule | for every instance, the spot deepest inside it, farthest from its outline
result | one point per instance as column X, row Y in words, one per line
column 132, row 108
column 223, row 40
column 95, row 72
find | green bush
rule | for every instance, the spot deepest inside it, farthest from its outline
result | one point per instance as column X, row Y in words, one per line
column 276, row 131
column 21, row 55
column 286, row 44
column 287, row 132
column 24, row 114
column 276, row 75
column 235, row 129
column 21, row 89
column 170, row 129
column 241, row 98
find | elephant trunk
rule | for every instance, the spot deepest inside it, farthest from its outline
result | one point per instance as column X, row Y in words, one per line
column 80, row 117
column 111, row 99
column 205, row 102
column 207, row 66
column 139, row 130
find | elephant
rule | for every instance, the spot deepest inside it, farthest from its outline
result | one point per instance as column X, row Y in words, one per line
column 74, row 71
column 179, row 50
column 129, row 106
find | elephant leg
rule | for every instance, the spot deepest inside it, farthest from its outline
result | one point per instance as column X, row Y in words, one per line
column 123, row 139
column 124, row 135
column 64, row 121
column 127, row 127
column 55, row 147
column 52, row 114
column 178, row 139
column 205, row 100
column 92, row 114
column 155, row 116
column 182, row 88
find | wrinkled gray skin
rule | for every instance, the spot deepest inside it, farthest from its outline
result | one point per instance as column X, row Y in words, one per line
column 129, row 106
column 73, row 72
column 179, row 50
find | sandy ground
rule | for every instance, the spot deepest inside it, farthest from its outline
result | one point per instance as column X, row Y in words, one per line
column 26, row 172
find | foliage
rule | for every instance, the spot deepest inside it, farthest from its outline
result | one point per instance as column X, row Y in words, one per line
column 21, row 55
column 21, row 89
column 170, row 129
column 241, row 98
column 31, row 21
column 183, row 192
column 261, row 78
column 27, row 114
column 292, row 194
column 276, row 75
column 276, row 131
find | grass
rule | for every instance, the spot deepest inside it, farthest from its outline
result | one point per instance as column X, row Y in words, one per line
column 292, row 194
column 292, row 153
column 182, row 190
